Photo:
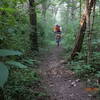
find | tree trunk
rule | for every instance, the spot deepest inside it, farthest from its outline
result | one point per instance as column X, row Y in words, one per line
column 44, row 9
column 89, row 56
column 99, row 8
column 83, row 25
column 80, row 8
column 45, row 6
column 88, row 32
column 33, row 22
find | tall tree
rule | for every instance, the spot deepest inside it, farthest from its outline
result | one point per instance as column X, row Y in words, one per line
column 33, row 22
column 90, row 28
column 83, row 25
column 44, row 8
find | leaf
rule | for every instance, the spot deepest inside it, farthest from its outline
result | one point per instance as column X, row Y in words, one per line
column 28, row 61
column 15, row 63
column 87, row 67
column 98, row 74
column 11, row 30
column 10, row 10
column 31, row 61
column 3, row 74
column 6, row 52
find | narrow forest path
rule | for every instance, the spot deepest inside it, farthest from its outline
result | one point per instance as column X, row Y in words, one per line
column 59, row 81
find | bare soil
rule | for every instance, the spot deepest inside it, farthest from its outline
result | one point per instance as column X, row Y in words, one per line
column 60, row 82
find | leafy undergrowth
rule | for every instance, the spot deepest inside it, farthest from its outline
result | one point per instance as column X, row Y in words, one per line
column 89, row 74
column 24, row 84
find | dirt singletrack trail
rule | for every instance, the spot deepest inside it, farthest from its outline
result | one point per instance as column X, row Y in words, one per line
column 59, row 81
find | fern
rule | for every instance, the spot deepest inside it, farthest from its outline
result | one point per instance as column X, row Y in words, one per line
column 29, row 61
column 10, row 10
column 6, row 52
column 3, row 74
column 16, row 64
column 98, row 74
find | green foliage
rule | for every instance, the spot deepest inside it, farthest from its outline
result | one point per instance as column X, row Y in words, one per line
column 29, row 61
column 3, row 68
column 15, row 36
column 69, row 37
column 46, row 34
column 82, row 70
column 96, row 55
column 98, row 74
column 13, row 26
column 17, row 64
column 22, row 84
column 6, row 52
column 3, row 74
column 9, row 10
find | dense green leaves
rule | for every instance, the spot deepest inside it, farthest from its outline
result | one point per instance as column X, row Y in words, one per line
column 15, row 32
column 98, row 74
column 9, row 10
column 3, row 74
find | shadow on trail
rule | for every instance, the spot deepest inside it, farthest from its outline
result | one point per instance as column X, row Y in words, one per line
column 60, row 82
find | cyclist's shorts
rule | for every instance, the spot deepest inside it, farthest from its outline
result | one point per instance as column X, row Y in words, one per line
column 58, row 40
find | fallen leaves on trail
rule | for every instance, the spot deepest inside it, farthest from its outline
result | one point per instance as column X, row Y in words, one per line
column 61, row 82
column 59, row 72
column 91, row 89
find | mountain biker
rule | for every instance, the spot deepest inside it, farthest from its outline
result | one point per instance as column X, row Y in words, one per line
column 58, row 31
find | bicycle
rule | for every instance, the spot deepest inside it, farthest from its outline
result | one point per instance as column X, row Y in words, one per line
column 58, row 39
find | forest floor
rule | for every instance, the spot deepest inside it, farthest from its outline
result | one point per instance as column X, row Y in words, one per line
column 59, row 81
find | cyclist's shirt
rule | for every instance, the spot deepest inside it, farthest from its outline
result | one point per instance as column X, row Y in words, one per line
column 57, row 29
